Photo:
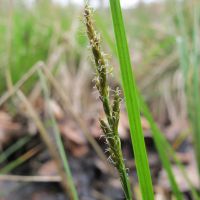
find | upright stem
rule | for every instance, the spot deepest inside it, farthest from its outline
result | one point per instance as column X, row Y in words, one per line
column 110, row 128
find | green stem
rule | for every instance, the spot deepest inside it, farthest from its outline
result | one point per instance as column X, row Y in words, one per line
column 125, row 182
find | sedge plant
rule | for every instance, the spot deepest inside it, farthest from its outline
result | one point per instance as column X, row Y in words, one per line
column 160, row 140
column 158, row 136
column 111, row 109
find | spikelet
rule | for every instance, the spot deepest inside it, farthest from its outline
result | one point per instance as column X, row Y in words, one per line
column 112, row 110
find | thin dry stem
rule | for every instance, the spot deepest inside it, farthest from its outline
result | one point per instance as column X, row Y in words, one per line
column 46, row 139
column 19, row 84
column 18, row 178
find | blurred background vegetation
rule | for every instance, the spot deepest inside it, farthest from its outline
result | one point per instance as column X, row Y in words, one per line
column 163, row 38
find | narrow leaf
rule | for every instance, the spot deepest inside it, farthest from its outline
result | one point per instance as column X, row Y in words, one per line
column 132, row 105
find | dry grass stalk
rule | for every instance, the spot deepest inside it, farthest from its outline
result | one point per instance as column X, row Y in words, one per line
column 46, row 139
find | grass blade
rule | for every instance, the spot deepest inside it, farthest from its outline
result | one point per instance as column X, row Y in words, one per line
column 13, row 148
column 161, row 142
column 129, row 88
column 19, row 161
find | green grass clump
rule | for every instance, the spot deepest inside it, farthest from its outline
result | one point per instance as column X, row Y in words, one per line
column 160, row 141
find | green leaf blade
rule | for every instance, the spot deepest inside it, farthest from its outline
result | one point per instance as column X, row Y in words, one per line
column 132, row 105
